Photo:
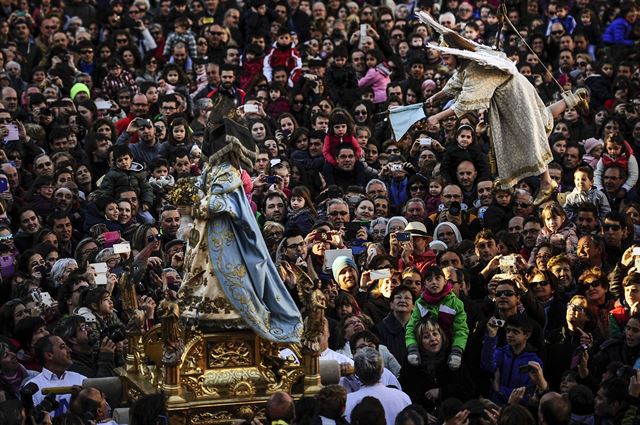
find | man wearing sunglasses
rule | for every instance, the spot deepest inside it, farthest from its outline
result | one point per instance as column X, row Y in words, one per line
column 616, row 235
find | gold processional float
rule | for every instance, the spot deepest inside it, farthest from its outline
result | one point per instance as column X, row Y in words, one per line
column 214, row 377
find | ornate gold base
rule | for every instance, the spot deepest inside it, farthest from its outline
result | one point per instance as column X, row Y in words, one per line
column 220, row 375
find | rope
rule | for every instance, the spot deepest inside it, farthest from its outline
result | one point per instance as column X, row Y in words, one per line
column 530, row 49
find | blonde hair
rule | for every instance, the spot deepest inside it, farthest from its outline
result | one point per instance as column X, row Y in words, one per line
column 428, row 325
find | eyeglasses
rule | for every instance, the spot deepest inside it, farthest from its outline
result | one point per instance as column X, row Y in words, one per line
column 417, row 187
column 521, row 204
column 593, row 284
column 296, row 245
column 575, row 307
column 5, row 120
column 500, row 294
column 539, row 283
column 134, row 12
column 614, row 227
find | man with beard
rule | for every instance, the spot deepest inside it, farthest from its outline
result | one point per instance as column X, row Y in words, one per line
column 293, row 251
column 275, row 208
column 139, row 109
column 227, row 96
column 147, row 149
column 82, row 342
column 63, row 198
column 345, row 274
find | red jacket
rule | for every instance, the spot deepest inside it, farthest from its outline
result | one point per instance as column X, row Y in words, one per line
column 289, row 58
column 331, row 142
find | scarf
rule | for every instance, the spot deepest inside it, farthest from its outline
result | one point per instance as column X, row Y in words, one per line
column 622, row 160
column 433, row 299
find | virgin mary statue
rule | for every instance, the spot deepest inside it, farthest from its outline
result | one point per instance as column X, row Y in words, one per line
column 230, row 281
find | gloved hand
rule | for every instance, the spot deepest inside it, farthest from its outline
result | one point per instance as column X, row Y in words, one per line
column 413, row 356
column 455, row 359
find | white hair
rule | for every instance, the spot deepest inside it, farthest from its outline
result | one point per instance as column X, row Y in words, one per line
column 447, row 15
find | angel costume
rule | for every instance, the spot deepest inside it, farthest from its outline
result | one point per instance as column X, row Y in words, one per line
column 520, row 123
column 231, row 282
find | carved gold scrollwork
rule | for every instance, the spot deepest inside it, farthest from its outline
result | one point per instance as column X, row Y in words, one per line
column 192, row 360
column 243, row 389
column 230, row 354
column 209, row 418
column 197, row 386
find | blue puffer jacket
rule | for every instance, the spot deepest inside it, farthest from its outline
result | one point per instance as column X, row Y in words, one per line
column 508, row 364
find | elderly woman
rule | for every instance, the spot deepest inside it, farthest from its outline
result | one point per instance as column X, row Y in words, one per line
column 432, row 381
column 396, row 224
column 448, row 233
column 378, row 229
column 62, row 269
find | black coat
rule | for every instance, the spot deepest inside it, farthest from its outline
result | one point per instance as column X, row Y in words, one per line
column 416, row 380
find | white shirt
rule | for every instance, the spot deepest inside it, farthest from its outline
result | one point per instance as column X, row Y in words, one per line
column 393, row 401
column 48, row 379
column 329, row 354
column 352, row 384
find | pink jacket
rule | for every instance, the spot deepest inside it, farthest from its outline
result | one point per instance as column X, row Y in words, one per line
column 378, row 80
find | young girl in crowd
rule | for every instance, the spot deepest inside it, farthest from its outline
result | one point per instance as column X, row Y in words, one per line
column 278, row 103
column 593, row 152
column 434, row 198
column 439, row 303
column 618, row 152
column 558, row 231
column 179, row 137
column 302, row 213
column 175, row 79
column 341, row 127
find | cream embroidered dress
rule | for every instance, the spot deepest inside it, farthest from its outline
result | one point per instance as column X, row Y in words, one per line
column 519, row 122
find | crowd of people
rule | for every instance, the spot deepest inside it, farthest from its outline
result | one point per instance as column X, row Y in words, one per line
column 460, row 302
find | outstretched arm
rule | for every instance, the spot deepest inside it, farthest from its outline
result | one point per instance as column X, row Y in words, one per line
column 435, row 119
